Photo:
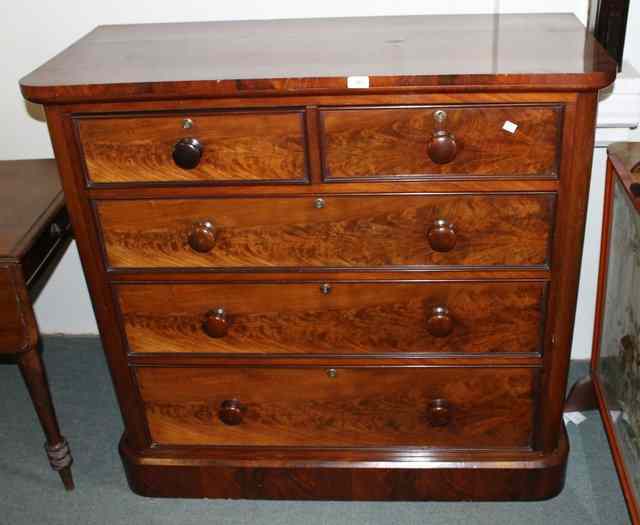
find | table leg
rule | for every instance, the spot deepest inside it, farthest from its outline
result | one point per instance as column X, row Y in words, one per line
column 35, row 377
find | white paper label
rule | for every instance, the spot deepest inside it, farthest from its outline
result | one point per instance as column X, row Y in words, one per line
column 575, row 417
column 357, row 82
column 509, row 126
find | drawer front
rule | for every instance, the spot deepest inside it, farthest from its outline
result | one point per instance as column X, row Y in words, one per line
column 415, row 143
column 46, row 245
column 335, row 318
column 315, row 406
column 329, row 231
column 229, row 148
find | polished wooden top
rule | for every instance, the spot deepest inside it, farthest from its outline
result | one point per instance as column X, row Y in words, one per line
column 403, row 53
column 30, row 193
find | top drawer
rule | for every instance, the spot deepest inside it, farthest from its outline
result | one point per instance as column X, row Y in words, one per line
column 223, row 147
column 437, row 142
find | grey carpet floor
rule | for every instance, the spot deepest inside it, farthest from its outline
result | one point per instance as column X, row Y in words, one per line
column 30, row 493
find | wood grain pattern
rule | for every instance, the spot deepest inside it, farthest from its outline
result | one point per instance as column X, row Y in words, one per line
column 405, row 53
column 622, row 159
column 357, row 407
column 352, row 318
column 30, row 196
column 14, row 323
column 35, row 377
column 378, row 143
column 33, row 237
column 504, row 227
column 568, row 239
column 63, row 139
column 346, row 474
column 439, row 185
column 237, row 147
column 350, row 231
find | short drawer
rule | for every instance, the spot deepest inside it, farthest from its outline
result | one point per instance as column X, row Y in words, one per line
column 224, row 147
column 333, row 318
column 443, row 407
column 369, row 231
column 458, row 141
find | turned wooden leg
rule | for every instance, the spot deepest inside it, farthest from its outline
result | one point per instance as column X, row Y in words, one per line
column 57, row 448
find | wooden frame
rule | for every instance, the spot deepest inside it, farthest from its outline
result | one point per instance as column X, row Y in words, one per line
column 610, row 25
column 613, row 173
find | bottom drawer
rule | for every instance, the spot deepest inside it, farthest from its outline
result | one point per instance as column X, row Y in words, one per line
column 444, row 407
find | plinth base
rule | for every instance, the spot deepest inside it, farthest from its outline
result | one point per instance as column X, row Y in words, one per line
column 362, row 475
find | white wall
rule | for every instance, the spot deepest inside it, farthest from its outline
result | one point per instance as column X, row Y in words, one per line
column 31, row 32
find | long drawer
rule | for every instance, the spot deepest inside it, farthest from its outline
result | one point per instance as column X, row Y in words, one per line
column 441, row 407
column 329, row 231
column 333, row 318
column 511, row 141
column 216, row 147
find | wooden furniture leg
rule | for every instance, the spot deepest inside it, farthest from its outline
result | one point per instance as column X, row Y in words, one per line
column 35, row 377
column 582, row 396
column 34, row 234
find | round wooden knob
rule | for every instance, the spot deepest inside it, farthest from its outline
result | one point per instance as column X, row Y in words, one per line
column 187, row 153
column 440, row 322
column 202, row 237
column 216, row 323
column 442, row 147
column 442, row 236
column 231, row 412
column 438, row 413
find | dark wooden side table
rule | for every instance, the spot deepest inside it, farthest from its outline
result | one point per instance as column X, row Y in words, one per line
column 34, row 233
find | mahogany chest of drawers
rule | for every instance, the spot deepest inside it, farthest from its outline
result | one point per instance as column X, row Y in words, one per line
column 333, row 259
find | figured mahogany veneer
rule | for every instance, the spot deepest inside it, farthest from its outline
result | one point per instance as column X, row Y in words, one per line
column 236, row 147
column 381, row 143
column 352, row 318
column 307, row 290
column 450, row 53
column 346, row 231
column 343, row 475
column 352, row 407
